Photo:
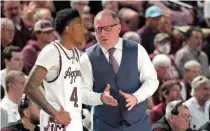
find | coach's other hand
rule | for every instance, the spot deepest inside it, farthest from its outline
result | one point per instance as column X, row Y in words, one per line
column 106, row 98
column 131, row 100
column 62, row 117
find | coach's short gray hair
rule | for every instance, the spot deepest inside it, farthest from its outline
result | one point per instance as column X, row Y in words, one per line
column 108, row 12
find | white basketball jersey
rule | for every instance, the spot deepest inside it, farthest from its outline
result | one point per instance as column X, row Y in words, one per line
column 64, row 91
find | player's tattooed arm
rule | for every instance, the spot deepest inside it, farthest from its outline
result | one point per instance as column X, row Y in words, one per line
column 33, row 82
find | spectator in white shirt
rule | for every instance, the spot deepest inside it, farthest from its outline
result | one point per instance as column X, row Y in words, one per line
column 13, row 59
column 14, row 84
column 3, row 112
column 199, row 104
column 191, row 70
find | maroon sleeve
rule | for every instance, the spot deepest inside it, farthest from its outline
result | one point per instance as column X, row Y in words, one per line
column 6, row 129
column 30, row 56
column 156, row 114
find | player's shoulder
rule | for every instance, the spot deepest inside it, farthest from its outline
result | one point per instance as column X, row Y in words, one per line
column 50, row 46
column 49, row 49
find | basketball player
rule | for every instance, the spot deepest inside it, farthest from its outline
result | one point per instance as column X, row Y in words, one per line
column 58, row 68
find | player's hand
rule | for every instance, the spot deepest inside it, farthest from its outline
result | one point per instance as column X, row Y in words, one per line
column 131, row 100
column 106, row 98
column 62, row 117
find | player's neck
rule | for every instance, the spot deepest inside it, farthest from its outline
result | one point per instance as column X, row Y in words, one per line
column 67, row 42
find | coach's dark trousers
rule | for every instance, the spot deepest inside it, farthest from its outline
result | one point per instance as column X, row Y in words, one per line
column 143, row 125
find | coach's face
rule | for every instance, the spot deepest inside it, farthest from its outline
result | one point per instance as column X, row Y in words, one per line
column 107, row 30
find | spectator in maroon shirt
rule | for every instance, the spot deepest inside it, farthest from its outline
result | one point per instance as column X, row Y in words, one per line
column 44, row 34
column 169, row 91
column 153, row 16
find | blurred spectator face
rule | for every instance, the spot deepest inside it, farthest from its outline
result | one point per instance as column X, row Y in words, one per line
column 18, row 85
column 7, row 33
column 196, row 40
column 162, row 73
column 164, row 46
column 16, row 61
column 34, row 113
column 87, row 19
column 202, row 93
column 181, row 121
column 44, row 31
column 12, row 10
column 45, row 36
column 174, row 93
column 153, row 15
column 112, row 5
column 47, row 16
column 107, row 30
column 192, row 73
column 43, row 14
column 130, row 17
column 165, row 24
column 79, row 5
column 154, row 22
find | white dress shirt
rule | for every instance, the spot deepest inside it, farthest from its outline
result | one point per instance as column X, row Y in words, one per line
column 183, row 91
column 11, row 108
column 4, row 118
column 198, row 115
column 3, row 76
column 206, row 9
column 148, row 75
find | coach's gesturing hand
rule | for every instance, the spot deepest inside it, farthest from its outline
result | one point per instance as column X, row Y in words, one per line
column 62, row 117
column 106, row 98
column 130, row 99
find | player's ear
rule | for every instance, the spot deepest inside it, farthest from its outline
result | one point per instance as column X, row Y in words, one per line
column 68, row 29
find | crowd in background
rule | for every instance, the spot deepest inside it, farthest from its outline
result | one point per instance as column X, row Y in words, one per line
column 175, row 34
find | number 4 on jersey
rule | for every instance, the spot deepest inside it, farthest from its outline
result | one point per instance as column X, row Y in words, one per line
column 74, row 97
